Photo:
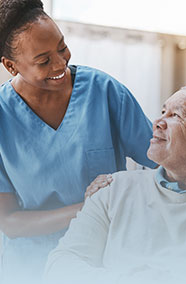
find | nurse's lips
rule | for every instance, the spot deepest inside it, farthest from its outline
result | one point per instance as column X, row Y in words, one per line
column 60, row 76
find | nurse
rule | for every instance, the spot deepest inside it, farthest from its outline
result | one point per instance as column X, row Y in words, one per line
column 60, row 127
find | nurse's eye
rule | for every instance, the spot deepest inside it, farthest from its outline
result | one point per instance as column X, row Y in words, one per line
column 163, row 111
column 44, row 62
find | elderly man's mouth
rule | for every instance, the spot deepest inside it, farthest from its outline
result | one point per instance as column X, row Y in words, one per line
column 158, row 139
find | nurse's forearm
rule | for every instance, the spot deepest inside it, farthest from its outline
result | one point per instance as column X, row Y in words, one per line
column 34, row 223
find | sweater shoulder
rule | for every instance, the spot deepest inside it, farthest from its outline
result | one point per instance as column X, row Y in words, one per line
column 129, row 182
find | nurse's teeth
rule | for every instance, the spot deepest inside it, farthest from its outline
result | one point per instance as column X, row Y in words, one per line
column 58, row 77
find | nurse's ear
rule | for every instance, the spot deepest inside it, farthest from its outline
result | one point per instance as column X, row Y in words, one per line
column 9, row 65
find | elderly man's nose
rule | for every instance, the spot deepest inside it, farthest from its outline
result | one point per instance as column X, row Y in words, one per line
column 160, row 123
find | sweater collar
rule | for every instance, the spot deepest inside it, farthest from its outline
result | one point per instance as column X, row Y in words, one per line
column 160, row 179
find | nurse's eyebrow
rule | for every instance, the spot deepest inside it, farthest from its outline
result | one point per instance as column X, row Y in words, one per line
column 41, row 54
column 62, row 39
column 47, row 52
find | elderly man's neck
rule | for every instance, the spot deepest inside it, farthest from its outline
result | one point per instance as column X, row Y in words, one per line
column 176, row 177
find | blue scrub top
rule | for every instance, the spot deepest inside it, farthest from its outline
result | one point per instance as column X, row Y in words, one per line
column 102, row 125
column 49, row 168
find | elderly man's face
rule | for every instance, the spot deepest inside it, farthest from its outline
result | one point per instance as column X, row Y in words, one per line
column 168, row 145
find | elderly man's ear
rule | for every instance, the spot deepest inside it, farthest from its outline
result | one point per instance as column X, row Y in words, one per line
column 9, row 65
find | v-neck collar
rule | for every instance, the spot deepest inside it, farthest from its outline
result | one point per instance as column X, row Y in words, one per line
column 70, row 120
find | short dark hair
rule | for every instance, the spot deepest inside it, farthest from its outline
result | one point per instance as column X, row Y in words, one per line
column 15, row 17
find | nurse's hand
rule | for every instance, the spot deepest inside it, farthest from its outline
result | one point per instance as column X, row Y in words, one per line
column 100, row 182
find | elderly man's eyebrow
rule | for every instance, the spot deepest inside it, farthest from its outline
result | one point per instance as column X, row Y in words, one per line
column 181, row 109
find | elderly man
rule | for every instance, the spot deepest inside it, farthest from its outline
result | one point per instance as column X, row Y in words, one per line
column 133, row 231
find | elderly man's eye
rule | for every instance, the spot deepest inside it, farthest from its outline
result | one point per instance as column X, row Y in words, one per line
column 175, row 115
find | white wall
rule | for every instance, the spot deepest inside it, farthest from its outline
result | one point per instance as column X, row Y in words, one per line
column 134, row 58
column 47, row 6
column 151, row 65
column 4, row 75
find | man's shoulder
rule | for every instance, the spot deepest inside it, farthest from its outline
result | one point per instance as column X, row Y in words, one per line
column 133, row 174
column 127, row 182
column 130, row 180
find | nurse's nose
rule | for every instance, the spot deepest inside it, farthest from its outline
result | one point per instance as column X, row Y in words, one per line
column 59, row 63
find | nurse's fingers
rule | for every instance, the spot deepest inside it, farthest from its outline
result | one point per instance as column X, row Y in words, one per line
column 100, row 182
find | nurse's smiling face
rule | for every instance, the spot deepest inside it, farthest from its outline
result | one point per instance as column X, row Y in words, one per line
column 42, row 56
